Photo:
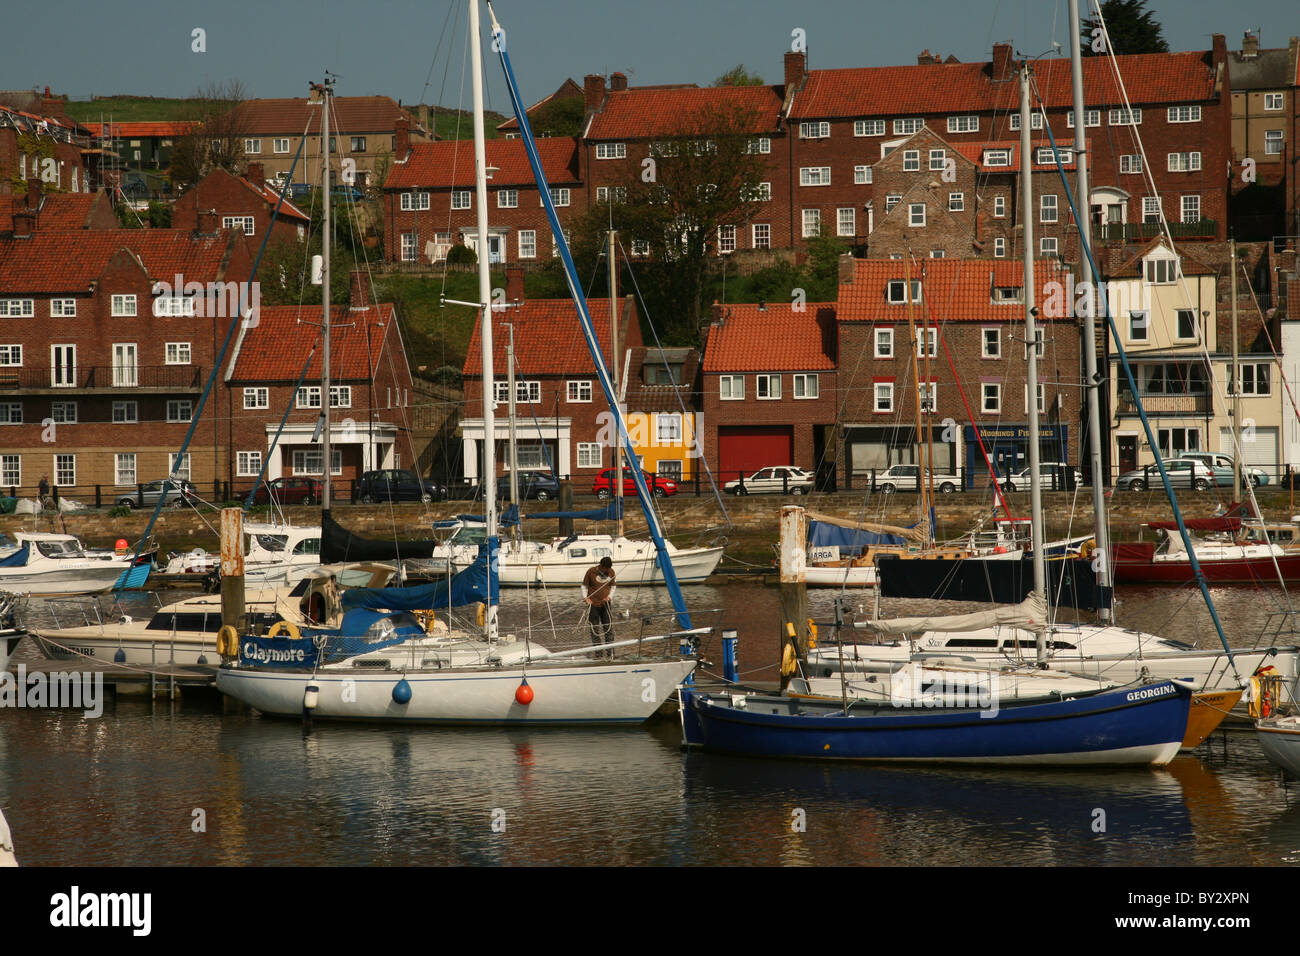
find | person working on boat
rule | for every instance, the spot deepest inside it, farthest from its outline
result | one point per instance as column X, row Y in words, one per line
column 598, row 591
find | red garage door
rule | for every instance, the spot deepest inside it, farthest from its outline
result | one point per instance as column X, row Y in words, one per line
column 748, row 448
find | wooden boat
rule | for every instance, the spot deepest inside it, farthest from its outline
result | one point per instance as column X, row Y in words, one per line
column 1208, row 710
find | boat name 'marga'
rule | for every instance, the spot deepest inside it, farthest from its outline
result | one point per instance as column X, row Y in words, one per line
column 1149, row 692
column 268, row 655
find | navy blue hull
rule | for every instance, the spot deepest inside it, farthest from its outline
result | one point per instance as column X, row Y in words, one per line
column 1132, row 725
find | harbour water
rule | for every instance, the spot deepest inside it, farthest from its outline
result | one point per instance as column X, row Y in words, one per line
column 130, row 787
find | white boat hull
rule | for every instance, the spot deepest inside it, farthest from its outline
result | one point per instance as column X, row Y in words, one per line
column 635, row 564
column 571, row 692
column 88, row 578
column 852, row 577
column 1279, row 738
column 185, row 650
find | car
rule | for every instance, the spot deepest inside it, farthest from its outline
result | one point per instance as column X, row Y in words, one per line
column 1222, row 468
column 177, row 494
column 1183, row 473
column 299, row 190
column 777, row 480
column 289, row 491
column 394, row 484
column 906, row 477
column 603, row 486
column 541, row 485
column 1053, row 476
column 351, row 193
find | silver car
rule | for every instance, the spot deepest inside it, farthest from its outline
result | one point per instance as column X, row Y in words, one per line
column 773, row 481
column 1183, row 473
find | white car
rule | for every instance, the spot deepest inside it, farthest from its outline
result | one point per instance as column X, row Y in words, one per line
column 1051, row 475
column 905, row 478
column 773, row 481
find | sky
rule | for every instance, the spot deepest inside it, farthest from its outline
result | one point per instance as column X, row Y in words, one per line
column 408, row 51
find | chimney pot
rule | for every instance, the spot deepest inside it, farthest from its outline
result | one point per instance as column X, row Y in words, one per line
column 796, row 70
column 256, row 174
column 593, row 91
column 1249, row 45
column 618, row 82
column 206, row 222
column 24, row 225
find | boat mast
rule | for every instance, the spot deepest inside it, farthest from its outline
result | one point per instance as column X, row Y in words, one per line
column 613, row 370
column 1092, row 385
column 325, row 89
column 489, row 481
column 1234, row 387
column 514, row 439
column 916, row 376
column 1031, row 346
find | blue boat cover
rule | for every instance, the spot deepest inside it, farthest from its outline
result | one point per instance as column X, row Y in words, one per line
column 19, row 558
column 478, row 582
column 325, row 646
column 133, row 577
column 850, row 541
column 608, row 512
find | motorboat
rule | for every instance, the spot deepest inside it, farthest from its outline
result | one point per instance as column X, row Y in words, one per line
column 47, row 563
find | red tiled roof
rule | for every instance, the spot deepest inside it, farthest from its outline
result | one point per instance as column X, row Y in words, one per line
column 959, row 290
column 268, row 195
column 1188, row 266
column 777, row 337
column 450, row 163
column 49, row 262
column 644, row 113
column 548, row 339
column 58, row 211
column 958, row 87
column 275, row 348
column 138, row 130
column 349, row 115
column 975, row 153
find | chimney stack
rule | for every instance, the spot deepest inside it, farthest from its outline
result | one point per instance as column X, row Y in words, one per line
column 206, row 222
column 514, row 283
column 401, row 139
column 24, row 225
column 846, row 269
column 925, row 58
column 796, row 71
column 360, row 290
column 256, row 174
column 617, row 82
column 1002, row 65
column 1249, row 45
column 593, row 92
column 34, row 195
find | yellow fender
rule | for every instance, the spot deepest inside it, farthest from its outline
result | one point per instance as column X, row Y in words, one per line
column 1087, row 548
column 812, row 634
column 789, row 661
column 480, row 610
column 228, row 641
column 284, row 627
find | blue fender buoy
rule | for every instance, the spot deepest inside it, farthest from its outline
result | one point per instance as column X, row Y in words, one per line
column 203, row 659
column 119, row 657
column 402, row 692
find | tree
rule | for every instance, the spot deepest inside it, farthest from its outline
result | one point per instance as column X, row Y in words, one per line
column 738, row 76
column 216, row 138
column 559, row 118
column 1132, row 29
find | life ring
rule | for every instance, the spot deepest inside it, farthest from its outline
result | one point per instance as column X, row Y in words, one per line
column 789, row 661
column 284, row 627
column 228, row 641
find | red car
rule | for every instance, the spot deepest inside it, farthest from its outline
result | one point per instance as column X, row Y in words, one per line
column 659, row 487
column 290, row 491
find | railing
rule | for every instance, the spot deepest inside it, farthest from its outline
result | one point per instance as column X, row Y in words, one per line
column 1166, row 404
column 180, row 378
column 1201, row 229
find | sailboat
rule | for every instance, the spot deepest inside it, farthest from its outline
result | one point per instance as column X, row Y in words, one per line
column 381, row 664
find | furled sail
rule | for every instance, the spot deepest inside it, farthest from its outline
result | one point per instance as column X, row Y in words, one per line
column 337, row 543
column 1030, row 614
column 826, row 530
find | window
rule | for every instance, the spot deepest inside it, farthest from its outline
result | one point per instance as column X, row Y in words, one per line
column 846, row 221
column 726, row 239
column 892, row 200
column 761, row 192
column 1138, row 326
column 1191, row 209
column 1184, row 114
column 1272, row 142
column 1272, row 101
column 991, row 398
column 1176, row 441
column 460, row 199
column 178, row 353
column 308, row 397
column 173, row 305
column 997, row 157
column 1255, row 379
column 11, row 355
column 999, row 207
column 1131, row 117
column 767, row 386
column 640, row 247
column 65, row 470
column 257, row 397
column 963, row 124
column 762, row 145
column 906, row 127
column 956, row 202
column 589, row 454
column 358, row 144
column 413, row 201
column 731, row 387
column 11, row 413
column 248, row 464
column 180, row 411
column 815, row 176
column 1184, row 162
column 668, row 428
column 762, row 235
column 1092, row 118
column 937, row 253
column 124, row 469
column 63, row 413
column 1186, row 324
column 927, row 397
column 252, row 146
column 927, row 340
column 1047, row 207
column 916, row 214
column 664, row 149
column 1161, row 271
column 806, row 386
column 63, row 308
column 1044, row 156
column 340, row 396
column 309, row 461
column 868, row 127
column 526, row 393
column 125, row 413
column 1042, row 408
column 579, row 391
column 812, row 223
column 1035, row 120
column 123, row 305
column 1130, row 164
column 179, row 466
column 990, row 343
column 409, row 246
column 896, row 291
column 1038, row 339
column 861, row 175
column 11, row 470
column 238, row 222
column 1150, row 208
column 999, row 247
column 611, row 150
column 560, row 195
column 17, row 308
column 884, row 395
column 281, row 145
column 527, row 244
column 884, row 343
column 814, row 130
column 911, row 160
column 615, row 193
column 1047, row 246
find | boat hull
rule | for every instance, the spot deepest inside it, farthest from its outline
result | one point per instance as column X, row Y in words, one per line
column 563, row 693
column 1207, row 712
column 89, row 579
column 692, row 566
column 1139, row 726
column 1136, row 565
column 1279, row 738
column 816, row 576
column 184, row 650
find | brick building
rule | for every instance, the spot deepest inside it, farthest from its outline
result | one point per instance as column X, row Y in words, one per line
column 1264, row 116
column 53, row 149
column 140, row 145
column 34, row 210
column 241, row 202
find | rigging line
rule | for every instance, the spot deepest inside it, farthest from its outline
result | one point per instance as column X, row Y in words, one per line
column 266, row 459
column 433, row 60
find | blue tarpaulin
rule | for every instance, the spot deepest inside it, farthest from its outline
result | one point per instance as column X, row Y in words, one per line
column 608, row 512
column 849, row 540
column 478, row 582
column 18, row 559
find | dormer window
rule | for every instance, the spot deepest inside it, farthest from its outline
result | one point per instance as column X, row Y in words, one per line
column 1007, row 293
column 896, row 292
column 997, row 157
column 1162, row 270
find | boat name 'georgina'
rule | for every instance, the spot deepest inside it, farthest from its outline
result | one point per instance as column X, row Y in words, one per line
column 1149, row 692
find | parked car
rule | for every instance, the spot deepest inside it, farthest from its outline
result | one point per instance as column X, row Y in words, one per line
column 394, row 484
column 603, row 487
column 1183, row 473
column 289, row 491
column 1221, row 465
column 541, row 485
column 347, row 193
column 299, row 190
column 177, row 494
column 777, row 480
column 1053, row 476
column 906, row 478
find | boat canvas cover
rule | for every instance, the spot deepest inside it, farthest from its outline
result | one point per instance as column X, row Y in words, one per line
column 1223, row 523
column 853, row 536
column 1071, row 582
column 478, row 582
column 19, row 558
column 608, row 512
column 338, row 544
column 322, row 647
column 1030, row 614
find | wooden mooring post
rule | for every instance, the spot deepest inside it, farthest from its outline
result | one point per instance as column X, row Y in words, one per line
column 794, row 590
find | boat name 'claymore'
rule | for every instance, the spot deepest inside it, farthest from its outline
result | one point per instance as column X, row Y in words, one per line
column 268, row 655
column 1149, row 692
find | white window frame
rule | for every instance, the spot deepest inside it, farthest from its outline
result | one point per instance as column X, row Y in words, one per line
column 1184, row 114
column 124, row 470
column 759, row 146
column 995, row 341
column 916, row 214
column 1274, row 101
column 252, row 146
column 560, row 196
column 956, row 202
column 991, row 402
column 846, row 221
column 883, row 337
column 527, row 243
column 911, row 160
column 410, row 246
column 908, row 125
column 761, row 233
column 257, row 396
column 896, row 291
column 814, row 176
column 938, row 160
column 307, row 396
column 1178, row 325
column 805, row 385
column 527, row 392
column 966, row 123
column 817, row 130
column 126, row 412
column 1193, row 201
column 462, row 199
column 120, row 304
column 1048, row 207
column 874, row 127
column 179, row 410
column 862, row 175
column 999, row 247
column 63, row 413
column 927, row 397
column 999, row 207
column 578, row 391
column 239, row 222
column 767, row 386
column 590, row 454
column 309, row 460
column 668, row 428
column 812, row 223
column 882, row 397
column 11, row 471
column 280, row 144
column 1125, row 117
column 1274, row 142
column 63, row 308
column 1042, row 398
column 611, row 150
column 927, row 337
column 11, row 356
column 1184, row 162
column 1253, row 388
column 248, row 464
column 1130, row 164
column 1048, row 247
column 414, row 201
column 1091, row 118
column 726, row 240
column 11, row 413
column 65, row 466
column 731, row 388
column 1139, row 320
column 178, row 353
column 1001, row 155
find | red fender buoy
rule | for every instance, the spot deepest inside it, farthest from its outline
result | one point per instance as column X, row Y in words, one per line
column 524, row 693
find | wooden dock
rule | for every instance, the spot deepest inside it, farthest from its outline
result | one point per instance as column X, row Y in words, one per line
column 129, row 680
